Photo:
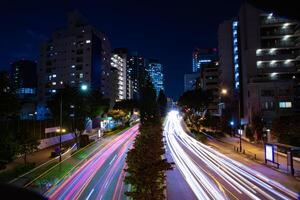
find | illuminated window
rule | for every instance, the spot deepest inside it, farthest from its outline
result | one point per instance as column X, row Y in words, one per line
column 285, row 104
column 53, row 75
column 73, row 66
column 88, row 41
column 53, row 83
column 81, row 75
column 258, row 52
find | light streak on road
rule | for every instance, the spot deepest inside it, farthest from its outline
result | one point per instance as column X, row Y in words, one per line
column 212, row 175
column 100, row 176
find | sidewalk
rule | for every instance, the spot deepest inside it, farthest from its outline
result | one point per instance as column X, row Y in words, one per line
column 258, row 150
column 227, row 149
column 38, row 157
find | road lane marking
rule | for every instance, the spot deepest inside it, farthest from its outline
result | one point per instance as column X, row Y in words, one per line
column 112, row 159
column 90, row 194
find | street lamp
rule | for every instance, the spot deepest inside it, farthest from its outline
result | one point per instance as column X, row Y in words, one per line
column 84, row 87
column 224, row 91
column 60, row 131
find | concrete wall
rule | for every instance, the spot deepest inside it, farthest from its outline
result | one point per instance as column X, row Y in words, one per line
column 45, row 143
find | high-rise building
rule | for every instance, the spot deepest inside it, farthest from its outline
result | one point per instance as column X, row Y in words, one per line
column 155, row 71
column 118, row 61
column 24, row 82
column 270, row 64
column 24, row 77
column 209, row 81
column 203, row 56
column 136, row 67
column 190, row 81
column 260, row 57
column 74, row 55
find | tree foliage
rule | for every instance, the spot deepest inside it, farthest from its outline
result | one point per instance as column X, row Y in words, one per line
column 146, row 167
column 26, row 144
column 162, row 102
column 257, row 125
column 127, row 105
column 197, row 99
column 287, row 129
column 82, row 103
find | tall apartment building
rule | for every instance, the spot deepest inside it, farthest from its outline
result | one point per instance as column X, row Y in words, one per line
column 118, row 61
column 155, row 71
column 268, row 61
column 203, row 56
column 136, row 68
column 209, row 81
column 74, row 55
column 23, row 78
column 270, row 49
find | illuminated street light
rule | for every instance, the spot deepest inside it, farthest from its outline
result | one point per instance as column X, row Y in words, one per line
column 84, row 87
column 224, row 91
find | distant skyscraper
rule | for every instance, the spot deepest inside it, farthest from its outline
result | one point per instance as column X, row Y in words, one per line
column 155, row 71
column 135, row 74
column 203, row 56
column 24, row 77
column 74, row 55
column 190, row 81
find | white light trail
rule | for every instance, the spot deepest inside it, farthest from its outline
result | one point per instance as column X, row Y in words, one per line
column 217, row 172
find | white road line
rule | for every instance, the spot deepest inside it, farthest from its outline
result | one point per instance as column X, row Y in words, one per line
column 112, row 159
column 90, row 194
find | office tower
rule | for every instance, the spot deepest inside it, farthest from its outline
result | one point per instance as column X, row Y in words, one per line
column 155, row 71
column 203, row 56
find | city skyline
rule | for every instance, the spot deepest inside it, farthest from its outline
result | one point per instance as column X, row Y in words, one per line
column 161, row 30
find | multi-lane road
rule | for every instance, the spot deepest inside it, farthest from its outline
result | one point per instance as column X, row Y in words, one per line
column 101, row 176
column 212, row 175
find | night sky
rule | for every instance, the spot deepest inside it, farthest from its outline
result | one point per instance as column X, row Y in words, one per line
column 162, row 29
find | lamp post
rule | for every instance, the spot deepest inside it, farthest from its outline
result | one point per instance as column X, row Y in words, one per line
column 60, row 131
column 239, row 122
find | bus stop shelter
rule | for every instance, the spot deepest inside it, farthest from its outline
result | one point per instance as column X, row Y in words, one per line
column 272, row 148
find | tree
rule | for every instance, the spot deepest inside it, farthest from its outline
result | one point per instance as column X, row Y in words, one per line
column 127, row 105
column 84, row 104
column 195, row 99
column 27, row 143
column 7, row 147
column 162, row 102
column 147, row 103
column 286, row 129
column 257, row 125
column 145, row 165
